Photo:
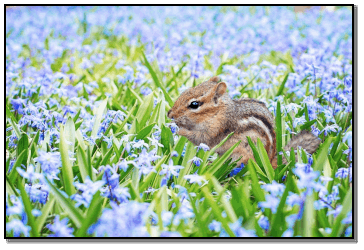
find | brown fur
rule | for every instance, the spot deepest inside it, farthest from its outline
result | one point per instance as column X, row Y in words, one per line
column 305, row 140
column 219, row 115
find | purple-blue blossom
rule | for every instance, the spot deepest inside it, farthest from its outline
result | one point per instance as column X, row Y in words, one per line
column 124, row 220
column 60, row 228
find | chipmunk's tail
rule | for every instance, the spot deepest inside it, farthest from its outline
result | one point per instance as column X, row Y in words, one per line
column 305, row 140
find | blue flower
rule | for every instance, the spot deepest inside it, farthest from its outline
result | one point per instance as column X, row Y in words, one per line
column 349, row 231
column 170, row 169
column 37, row 192
column 215, row 226
column 86, row 191
column 16, row 208
column 144, row 161
column 197, row 161
column 335, row 211
column 173, row 126
column 288, row 233
column 270, row 202
column 275, row 188
column 238, row 230
column 291, row 220
column 342, row 173
column 167, row 217
column 50, row 163
column 194, row 178
column 36, row 212
column 30, row 174
column 263, row 222
column 59, row 228
column 18, row 228
column 124, row 164
column 348, row 138
column 294, row 199
column 203, row 146
column 108, row 140
column 19, row 104
column 164, row 181
column 307, row 179
column 348, row 219
column 124, row 220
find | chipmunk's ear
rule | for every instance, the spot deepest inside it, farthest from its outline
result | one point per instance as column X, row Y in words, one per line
column 214, row 79
column 220, row 89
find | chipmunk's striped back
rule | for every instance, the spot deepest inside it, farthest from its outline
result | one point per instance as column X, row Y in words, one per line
column 254, row 115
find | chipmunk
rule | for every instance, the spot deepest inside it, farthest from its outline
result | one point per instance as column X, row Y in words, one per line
column 206, row 114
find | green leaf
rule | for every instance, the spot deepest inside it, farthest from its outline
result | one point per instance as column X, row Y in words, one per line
column 69, row 132
column 76, row 116
column 10, row 189
column 308, row 124
column 155, row 116
column 23, row 144
column 16, row 129
column 281, row 173
column 256, row 189
column 322, row 155
column 265, row 160
column 241, row 200
column 144, row 110
column 189, row 154
column 145, row 132
column 336, row 143
column 105, row 158
column 80, row 140
column 92, row 215
column 14, row 173
column 28, row 210
column 33, row 144
column 10, row 115
column 166, row 139
column 279, row 218
column 306, row 113
column 226, row 204
column 220, row 161
column 162, row 112
column 98, row 112
column 128, row 117
column 179, row 148
column 147, row 180
column 309, row 216
column 211, row 152
column 67, row 205
column 281, row 87
column 259, row 170
column 45, row 212
column 67, row 172
column 156, row 80
column 279, row 130
column 216, row 210
column 255, row 152
column 82, row 163
column 338, row 226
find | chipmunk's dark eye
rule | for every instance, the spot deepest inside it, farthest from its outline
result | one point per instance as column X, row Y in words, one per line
column 195, row 105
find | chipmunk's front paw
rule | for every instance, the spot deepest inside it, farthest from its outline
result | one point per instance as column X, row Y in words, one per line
column 183, row 132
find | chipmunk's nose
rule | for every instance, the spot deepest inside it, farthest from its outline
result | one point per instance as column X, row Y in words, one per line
column 169, row 114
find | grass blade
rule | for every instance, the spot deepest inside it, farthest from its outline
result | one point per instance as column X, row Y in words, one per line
column 67, row 172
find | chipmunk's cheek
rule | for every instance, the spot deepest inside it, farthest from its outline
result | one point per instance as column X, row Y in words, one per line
column 185, row 122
